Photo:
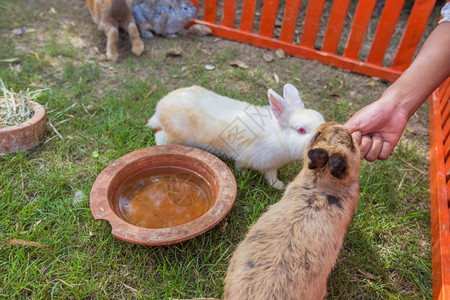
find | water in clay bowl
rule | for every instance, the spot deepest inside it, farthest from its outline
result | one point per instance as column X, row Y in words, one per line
column 163, row 195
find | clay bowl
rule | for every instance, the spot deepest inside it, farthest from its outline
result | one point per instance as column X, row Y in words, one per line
column 117, row 194
column 24, row 136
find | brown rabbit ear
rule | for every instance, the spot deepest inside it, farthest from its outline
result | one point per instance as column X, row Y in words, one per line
column 314, row 139
column 338, row 165
column 318, row 158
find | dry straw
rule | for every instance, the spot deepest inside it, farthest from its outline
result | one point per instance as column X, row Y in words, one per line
column 15, row 107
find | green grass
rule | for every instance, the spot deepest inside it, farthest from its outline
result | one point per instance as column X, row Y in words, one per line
column 100, row 109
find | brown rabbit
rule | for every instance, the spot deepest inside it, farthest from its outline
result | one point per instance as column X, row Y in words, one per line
column 290, row 251
column 109, row 15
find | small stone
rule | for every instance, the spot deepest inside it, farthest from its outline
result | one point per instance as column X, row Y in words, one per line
column 267, row 57
column 19, row 31
column 239, row 63
column 174, row 52
column 199, row 30
column 280, row 53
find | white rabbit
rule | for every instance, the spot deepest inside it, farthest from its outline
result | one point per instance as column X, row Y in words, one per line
column 263, row 138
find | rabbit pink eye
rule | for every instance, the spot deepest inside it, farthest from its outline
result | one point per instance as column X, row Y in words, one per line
column 301, row 130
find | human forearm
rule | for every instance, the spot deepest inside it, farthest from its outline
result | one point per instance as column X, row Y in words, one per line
column 430, row 68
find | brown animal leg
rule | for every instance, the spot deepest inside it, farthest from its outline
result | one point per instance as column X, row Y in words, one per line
column 137, row 46
column 112, row 35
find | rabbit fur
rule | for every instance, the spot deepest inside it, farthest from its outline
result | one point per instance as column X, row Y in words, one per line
column 291, row 249
column 163, row 17
column 263, row 138
column 109, row 15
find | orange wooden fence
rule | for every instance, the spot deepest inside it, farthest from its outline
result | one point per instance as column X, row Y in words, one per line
column 440, row 189
column 255, row 25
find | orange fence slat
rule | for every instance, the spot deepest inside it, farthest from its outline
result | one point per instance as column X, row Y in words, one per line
column 229, row 11
column 445, row 98
column 195, row 2
column 446, row 150
column 269, row 15
column 385, row 29
column 446, row 130
column 446, row 112
column 444, row 86
column 248, row 12
column 447, row 171
column 211, row 11
column 413, row 32
column 361, row 20
column 448, row 185
column 290, row 20
column 312, row 20
column 334, row 27
column 440, row 235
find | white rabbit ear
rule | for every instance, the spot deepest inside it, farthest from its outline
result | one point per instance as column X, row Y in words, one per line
column 278, row 105
column 292, row 96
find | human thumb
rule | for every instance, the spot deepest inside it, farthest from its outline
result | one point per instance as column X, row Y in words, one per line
column 352, row 125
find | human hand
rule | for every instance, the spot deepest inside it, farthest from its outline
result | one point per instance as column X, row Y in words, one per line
column 377, row 128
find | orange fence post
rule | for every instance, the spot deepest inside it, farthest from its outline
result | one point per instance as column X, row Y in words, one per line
column 290, row 20
column 211, row 11
column 385, row 29
column 229, row 9
column 414, row 29
column 269, row 15
column 363, row 13
column 312, row 20
column 334, row 26
column 248, row 12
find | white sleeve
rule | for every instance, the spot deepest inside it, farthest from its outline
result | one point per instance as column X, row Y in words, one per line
column 445, row 12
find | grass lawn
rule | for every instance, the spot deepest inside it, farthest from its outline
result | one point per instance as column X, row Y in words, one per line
column 98, row 111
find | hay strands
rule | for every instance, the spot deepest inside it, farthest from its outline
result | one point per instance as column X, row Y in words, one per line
column 14, row 107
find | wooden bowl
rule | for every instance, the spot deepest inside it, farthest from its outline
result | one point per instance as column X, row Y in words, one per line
column 114, row 182
column 26, row 135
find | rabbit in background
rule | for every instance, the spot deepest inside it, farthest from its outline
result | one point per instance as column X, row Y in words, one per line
column 291, row 249
column 109, row 15
column 163, row 17
column 263, row 138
